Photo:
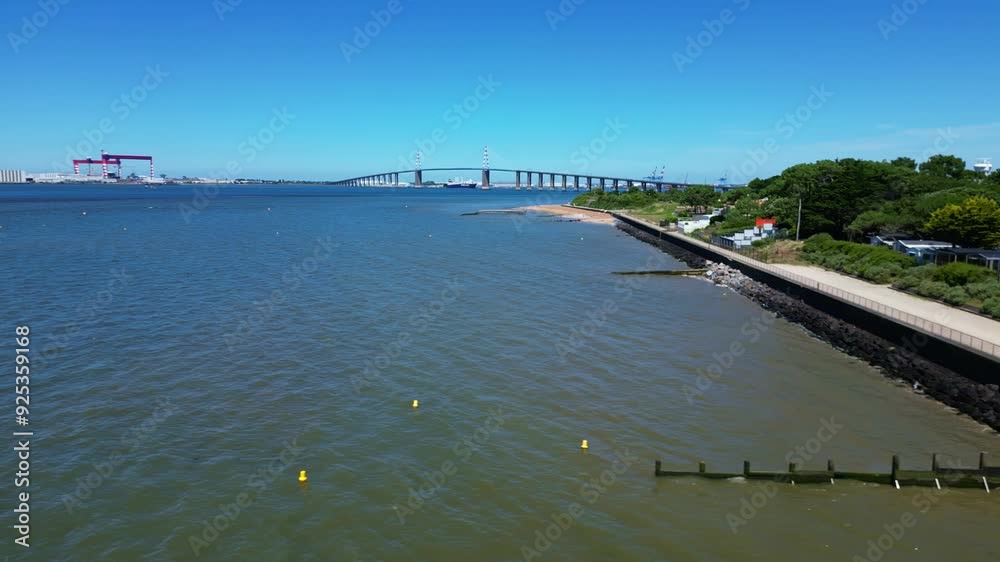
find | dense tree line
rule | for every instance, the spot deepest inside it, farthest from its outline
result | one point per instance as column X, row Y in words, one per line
column 851, row 198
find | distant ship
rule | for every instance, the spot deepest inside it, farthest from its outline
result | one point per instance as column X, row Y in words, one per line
column 459, row 183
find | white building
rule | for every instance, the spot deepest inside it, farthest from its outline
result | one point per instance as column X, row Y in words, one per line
column 697, row 222
column 11, row 176
column 56, row 177
column 984, row 166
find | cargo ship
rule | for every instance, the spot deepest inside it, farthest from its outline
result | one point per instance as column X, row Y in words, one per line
column 459, row 183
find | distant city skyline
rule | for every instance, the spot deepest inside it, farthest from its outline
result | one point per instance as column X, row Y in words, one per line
column 727, row 88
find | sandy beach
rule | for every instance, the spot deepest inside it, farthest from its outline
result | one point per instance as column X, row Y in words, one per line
column 567, row 212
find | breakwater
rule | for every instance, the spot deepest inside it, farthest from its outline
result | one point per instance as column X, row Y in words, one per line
column 968, row 383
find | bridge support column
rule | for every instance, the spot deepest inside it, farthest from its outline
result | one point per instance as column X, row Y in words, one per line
column 602, row 184
column 418, row 178
column 395, row 180
column 576, row 183
column 564, row 182
column 616, row 185
column 517, row 180
column 552, row 181
column 486, row 178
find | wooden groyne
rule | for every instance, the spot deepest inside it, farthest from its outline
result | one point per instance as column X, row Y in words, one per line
column 984, row 477
column 496, row 212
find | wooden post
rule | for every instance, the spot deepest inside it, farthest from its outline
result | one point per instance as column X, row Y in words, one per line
column 746, row 469
column 792, row 467
column 934, row 463
column 702, row 468
column 895, row 468
column 982, row 462
column 829, row 466
column 657, row 472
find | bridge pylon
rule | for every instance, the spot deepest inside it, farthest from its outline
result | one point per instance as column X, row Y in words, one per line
column 486, row 167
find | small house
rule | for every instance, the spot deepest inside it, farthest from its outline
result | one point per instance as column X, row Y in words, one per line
column 921, row 250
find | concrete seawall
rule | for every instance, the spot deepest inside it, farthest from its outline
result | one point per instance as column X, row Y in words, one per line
column 955, row 375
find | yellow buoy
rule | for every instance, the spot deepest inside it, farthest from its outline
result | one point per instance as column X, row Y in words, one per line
column 584, row 445
column 302, row 476
column 416, row 403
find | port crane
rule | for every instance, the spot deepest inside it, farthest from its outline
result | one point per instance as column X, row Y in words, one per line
column 112, row 160
column 653, row 177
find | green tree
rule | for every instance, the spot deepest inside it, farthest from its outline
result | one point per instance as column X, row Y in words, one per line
column 733, row 195
column 974, row 224
column 907, row 163
column 994, row 178
column 944, row 167
column 700, row 197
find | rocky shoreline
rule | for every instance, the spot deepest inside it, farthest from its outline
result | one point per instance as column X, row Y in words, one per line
column 981, row 402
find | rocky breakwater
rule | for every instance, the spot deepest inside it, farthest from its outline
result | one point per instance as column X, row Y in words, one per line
column 979, row 401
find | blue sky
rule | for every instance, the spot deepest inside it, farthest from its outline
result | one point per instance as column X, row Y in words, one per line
column 216, row 73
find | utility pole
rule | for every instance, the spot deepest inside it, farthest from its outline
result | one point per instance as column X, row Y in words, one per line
column 798, row 222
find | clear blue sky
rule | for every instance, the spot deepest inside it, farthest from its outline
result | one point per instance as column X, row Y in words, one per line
column 557, row 87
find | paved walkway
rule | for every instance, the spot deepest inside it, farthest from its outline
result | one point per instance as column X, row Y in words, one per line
column 945, row 322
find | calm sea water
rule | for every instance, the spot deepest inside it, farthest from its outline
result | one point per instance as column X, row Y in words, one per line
column 191, row 356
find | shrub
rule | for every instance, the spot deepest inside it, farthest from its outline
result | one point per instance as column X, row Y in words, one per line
column 882, row 274
column 956, row 274
column 932, row 289
column 821, row 238
column 984, row 291
column 922, row 272
column 992, row 307
column 875, row 263
column 956, row 296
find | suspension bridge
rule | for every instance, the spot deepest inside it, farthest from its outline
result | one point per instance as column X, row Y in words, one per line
column 523, row 178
